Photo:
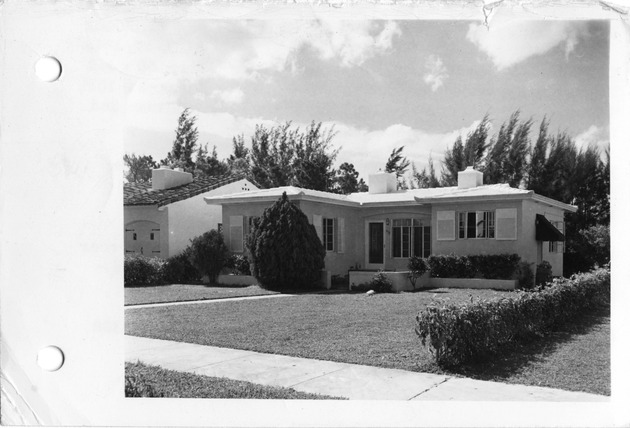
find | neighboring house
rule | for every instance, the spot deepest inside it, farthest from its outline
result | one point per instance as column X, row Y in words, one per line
column 382, row 228
column 162, row 217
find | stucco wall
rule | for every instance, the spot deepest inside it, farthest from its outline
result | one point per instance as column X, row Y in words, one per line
column 149, row 213
column 193, row 216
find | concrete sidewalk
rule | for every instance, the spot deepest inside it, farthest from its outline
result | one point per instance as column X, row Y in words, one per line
column 353, row 381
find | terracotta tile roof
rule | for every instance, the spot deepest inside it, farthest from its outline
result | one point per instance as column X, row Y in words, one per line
column 142, row 194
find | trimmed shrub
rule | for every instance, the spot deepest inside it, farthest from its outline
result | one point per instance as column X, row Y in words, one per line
column 238, row 264
column 179, row 270
column 543, row 273
column 455, row 334
column 496, row 266
column 208, row 254
column 285, row 249
column 488, row 266
column 143, row 271
column 451, row 266
column 417, row 267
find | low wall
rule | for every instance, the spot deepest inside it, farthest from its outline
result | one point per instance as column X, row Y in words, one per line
column 400, row 280
column 237, row 280
column 326, row 279
column 498, row 284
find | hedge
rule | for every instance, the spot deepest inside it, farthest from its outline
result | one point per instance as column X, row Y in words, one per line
column 458, row 333
column 488, row 266
column 143, row 271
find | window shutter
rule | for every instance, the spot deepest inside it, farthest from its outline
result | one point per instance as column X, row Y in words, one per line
column 317, row 222
column 341, row 235
column 505, row 224
column 446, row 225
column 236, row 233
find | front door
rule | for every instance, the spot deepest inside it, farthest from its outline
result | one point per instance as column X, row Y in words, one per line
column 376, row 245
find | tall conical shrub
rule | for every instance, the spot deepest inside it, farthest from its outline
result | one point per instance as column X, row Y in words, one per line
column 285, row 250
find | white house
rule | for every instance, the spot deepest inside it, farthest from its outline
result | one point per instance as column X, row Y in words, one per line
column 161, row 217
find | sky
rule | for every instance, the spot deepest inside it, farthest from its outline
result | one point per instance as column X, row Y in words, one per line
column 380, row 84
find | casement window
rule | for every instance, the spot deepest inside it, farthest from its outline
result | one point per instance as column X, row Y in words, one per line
column 476, row 224
column 557, row 246
column 410, row 238
column 236, row 233
column 331, row 232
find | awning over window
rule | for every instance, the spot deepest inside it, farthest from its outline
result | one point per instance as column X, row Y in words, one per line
column 545, row 231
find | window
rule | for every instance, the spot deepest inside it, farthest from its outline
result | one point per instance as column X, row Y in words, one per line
column 476, row 224
column 152, row 236
column 410, row 238
column 236, row 233
column 135, row 236
column 557, row 246
column 328, row 232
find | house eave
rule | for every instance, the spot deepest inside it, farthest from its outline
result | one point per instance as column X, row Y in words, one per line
column 217, row 200
column 469, row 199
column 554, row 203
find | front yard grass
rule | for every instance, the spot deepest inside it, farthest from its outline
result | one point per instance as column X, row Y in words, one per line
column 183, row 292
column 378, row 331
column 173, row 384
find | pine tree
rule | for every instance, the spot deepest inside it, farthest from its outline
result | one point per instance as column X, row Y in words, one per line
column 140, row 168
column 185, row 143
column 398, row 164
column 285, row 249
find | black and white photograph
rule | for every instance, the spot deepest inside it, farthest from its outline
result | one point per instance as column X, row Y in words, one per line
column 309, row 203
column 242, row 207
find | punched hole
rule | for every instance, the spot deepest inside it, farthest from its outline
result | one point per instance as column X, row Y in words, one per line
column 50, row 358
column 48, row 69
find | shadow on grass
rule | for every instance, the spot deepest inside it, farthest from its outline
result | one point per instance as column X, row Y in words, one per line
column 514, row 357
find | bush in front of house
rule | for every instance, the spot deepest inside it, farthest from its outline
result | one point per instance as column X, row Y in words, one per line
column 525, row 276
column 488, row 266
column 238, row 264
column 450, row 266
column 379, row 283
column 417, row 266
column 179, row 269
column 142, row 271
column 208, row 254
column 543, row 273
column 285, row 249
column 496, row 266
column 458, row 333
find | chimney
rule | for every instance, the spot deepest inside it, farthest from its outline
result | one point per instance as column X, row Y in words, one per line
column 382, row 182
column 469, row 178
column 165, row 178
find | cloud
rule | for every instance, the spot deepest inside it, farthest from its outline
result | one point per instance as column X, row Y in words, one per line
column 593, row 136
column 512, row 42
column 435, row 72
column 238, row 49
column 368, row 150
column 229, row 96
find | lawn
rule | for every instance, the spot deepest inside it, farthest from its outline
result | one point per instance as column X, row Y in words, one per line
column 169, row 383
column 182, row 293
column 379, row 331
